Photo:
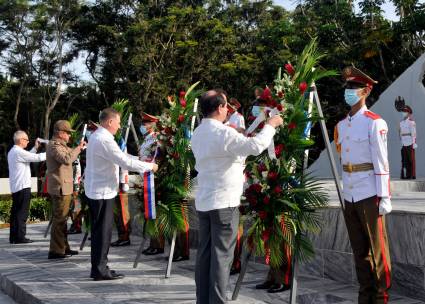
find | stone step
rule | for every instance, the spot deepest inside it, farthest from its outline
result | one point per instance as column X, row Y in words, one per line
column 397, row 185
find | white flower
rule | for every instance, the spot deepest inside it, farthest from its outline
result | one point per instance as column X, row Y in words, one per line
column 264, row 174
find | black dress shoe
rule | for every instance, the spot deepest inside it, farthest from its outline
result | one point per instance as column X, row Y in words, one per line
column 53, row 255
column 119, row 243
column 280, row 288
column 74, row 231
column 23, row 241
column 180, row 258
column 265, row 285
column 235, row 270
column 152, row 251
column 71, row 252
column 111, row 276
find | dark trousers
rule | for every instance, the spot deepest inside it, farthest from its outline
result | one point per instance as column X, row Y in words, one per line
column 102, row 217
column 217, row 240
column 408, row 162
column 368, row 238
column 19, row 214
column 58, row 236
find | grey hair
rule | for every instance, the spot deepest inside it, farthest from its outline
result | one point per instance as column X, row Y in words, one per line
column 18, row 135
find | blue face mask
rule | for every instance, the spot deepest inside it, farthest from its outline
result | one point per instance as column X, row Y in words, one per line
column 88, row 133
column 143, row 130
column 404, row 115
column 350, row 96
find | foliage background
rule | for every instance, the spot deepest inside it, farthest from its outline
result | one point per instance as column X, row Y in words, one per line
column 145, row 50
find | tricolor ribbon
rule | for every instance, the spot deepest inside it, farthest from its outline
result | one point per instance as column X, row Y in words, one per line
column 149, row 192
column 149, row 195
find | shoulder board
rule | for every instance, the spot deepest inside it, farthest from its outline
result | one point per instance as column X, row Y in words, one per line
column 371, row 115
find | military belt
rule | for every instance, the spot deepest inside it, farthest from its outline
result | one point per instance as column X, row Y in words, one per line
column 406, row 134
column 357, row 167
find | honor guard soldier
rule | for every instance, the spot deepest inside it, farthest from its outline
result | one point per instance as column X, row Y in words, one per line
column 361, row 140
column 236, row 119
column 408, row 142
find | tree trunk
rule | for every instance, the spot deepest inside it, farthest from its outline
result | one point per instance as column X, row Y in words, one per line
column 18, row 104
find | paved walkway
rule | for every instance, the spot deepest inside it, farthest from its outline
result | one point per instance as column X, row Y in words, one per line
column 29, row 277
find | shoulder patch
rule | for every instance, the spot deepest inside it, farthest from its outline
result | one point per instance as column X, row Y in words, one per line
column 371, row 115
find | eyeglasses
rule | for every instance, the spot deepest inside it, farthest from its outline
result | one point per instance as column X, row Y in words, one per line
column 25, row 139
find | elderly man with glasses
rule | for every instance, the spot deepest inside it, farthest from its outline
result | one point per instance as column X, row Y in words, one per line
column 19, row 161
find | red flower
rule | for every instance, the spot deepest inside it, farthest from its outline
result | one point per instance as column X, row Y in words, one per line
column 256, row 187
column 290, row 69
column 261, row 125
column 251, row 118
column 262, row 214
column 181, row 118
column 252, row 200
column 303, row 87
column 277, row 189
column 266, row 200
column 183, row 102
column 265, row 235
column 272, row 103
column 279, row 107
column 175, row 155
column 182, row 94
column 280, row 94
column 272, row 175
column 292, row 125
column 278, row 149
column 261, row 167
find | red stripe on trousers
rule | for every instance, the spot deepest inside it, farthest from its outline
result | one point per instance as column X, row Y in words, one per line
column 186, row 228
column 384, row 258
column 123, row 213
column 413, row 163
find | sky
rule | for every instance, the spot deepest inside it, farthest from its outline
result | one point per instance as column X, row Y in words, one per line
column 387, row 7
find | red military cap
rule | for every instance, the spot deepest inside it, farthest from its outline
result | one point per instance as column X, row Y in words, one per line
column 354, row 75
column 149, row 118
column 407, row 109
column 231, row 108
column 92, row 126
column 235, row 103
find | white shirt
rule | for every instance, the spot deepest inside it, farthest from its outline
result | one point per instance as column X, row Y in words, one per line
column 408, row 128
column 220, row 153
column 104, row 157
column 360, row 139
column 236, row 121
column 19, row 167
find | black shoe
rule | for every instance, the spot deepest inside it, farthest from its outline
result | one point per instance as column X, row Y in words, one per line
column 235, row 270
column 74, row 231
column 265, row 285
column 180, row 258
column 111, row 276
column 113, row 272
column 279, row 288
column 23, row 241
column 152, row 251
column 119, row 243
column 53, row 255
column 71, row 252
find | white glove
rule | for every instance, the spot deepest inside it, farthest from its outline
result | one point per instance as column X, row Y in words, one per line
column 385, row 206
column 415, row 146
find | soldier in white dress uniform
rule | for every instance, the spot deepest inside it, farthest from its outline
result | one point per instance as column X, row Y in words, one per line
column 407, row 134
column 361, row 140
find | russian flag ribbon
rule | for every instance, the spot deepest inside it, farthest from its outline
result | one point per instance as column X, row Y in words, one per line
column 149, row 195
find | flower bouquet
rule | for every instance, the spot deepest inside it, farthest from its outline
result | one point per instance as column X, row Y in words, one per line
column 281, row 198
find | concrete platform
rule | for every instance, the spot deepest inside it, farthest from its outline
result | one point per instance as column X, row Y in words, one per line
column 29, row 277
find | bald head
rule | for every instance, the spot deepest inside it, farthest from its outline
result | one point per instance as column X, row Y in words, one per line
column 211, row 100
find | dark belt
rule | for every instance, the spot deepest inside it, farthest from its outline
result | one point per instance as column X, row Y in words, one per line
column 406, row 134
column 357, row 167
